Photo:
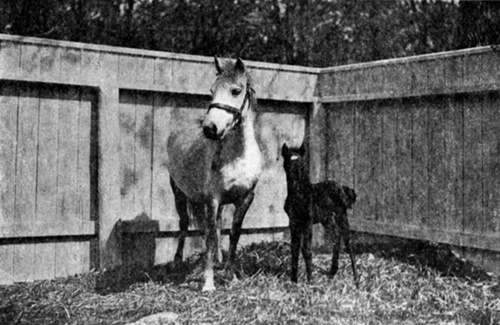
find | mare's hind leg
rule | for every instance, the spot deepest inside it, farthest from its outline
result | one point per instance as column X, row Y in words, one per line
column 239, row 214
column 181, row 203
column 343, row 223
column 334, row 231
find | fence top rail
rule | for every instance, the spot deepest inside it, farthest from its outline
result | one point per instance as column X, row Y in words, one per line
column 149, row 53
column 414, row 58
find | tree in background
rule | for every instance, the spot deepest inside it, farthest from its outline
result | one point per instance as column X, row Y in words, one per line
column 303, row 32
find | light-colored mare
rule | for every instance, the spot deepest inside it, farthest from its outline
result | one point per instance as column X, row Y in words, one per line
column 217, row 162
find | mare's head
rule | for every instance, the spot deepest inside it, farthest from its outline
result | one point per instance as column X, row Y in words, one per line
column 232, row 98
column 295, row 163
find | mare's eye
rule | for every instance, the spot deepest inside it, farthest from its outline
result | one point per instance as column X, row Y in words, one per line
column 235, row 92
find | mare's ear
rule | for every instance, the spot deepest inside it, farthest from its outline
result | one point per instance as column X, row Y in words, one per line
column 284, row 150
column 239, row 66
column 217, row 65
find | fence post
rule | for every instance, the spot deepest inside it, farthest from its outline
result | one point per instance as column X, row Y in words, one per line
column 317, row 142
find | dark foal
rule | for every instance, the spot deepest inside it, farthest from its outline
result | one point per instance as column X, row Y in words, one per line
column 306, row 204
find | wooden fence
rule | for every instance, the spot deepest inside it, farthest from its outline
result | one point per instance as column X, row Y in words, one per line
column 83, row 130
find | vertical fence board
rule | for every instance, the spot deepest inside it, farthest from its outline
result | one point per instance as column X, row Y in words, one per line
column 47, row 178
column 347, row 149
column 45, row 255
column 143, row 152
column 453, row 156
column 491, row 164
column 473, row 212
column 404, row 162
column 10, row 59
column 162, row 209
column 71, row 64
column 367, row 170
column 6, row 266
column 334, row 142
column 9, row 103
column 128, row 172
column 24, row 260
column 420, row 162
column 50, row 63
column 67, row 187
column 71, row 258
column 83, row 159
column 30, row 61
column 26, row 161
column 388, row 171
column 436, row 179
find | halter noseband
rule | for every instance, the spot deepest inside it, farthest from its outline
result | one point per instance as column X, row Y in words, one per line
column 232, row 109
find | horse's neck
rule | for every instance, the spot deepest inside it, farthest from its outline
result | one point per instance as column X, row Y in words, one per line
column 299, row 188
column 242, row 140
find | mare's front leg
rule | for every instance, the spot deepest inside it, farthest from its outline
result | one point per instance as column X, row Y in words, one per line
column 181, row 203
column 211, row 243
column 219, row 236
column 239, row 214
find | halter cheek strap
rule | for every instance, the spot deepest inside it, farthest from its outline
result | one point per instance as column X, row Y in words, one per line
column 232, row 109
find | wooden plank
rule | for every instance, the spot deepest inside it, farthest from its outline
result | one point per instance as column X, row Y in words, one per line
column 163, row 72
column 71, row 258
column 454, row 156
column 83, row 201
column 334, row 141
column 347, row 148
column 71, row 61
column 67, row 162
column 128, row 172
column 436, row 171
column 44, row 266
column 473, row 210
column 404, row 146
column 127, row 70
column 491, row 164
column 388, row 172
column 27, row 144
column 420, row 162
column 50, row 63
column 7, row 265
column 30, row 62
column 143, row 153
column 10, row 59
column 162, row 197
column 9, row 104
column 317, row 148
column 367, row 161
column 47, row 167
column 145, row 70
column 90, row 67
column 24, row 260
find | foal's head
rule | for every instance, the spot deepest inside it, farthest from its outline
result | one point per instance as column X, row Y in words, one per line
column 232, row 98
column 295, row 164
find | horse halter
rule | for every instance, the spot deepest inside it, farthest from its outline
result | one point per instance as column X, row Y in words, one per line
column 231, row 109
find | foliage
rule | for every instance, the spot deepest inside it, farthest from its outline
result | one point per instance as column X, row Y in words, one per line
column 305, row 32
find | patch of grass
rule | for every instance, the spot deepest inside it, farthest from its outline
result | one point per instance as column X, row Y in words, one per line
column 394, row 289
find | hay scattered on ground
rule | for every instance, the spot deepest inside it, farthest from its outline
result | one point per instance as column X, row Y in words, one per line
column 397, row 286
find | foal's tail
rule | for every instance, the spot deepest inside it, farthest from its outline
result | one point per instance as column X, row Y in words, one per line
column 351, row 196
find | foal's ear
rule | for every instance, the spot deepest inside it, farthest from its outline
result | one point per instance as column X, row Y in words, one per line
column 217, row 65
column 239, row 66
column 284, row 150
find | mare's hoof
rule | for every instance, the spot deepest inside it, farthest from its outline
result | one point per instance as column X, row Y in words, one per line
column 208, row 288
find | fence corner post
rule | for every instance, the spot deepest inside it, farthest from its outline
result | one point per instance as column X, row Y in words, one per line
column 317, row 142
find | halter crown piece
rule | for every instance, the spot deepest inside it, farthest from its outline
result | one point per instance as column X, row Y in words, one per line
column 231, row 109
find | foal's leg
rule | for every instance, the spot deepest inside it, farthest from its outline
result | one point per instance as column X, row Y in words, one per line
column 239, row 214
column 296, row 238
column 332, row 229
column 181, row 203
column 211, row 244
column 306, row 247
column 343, row 223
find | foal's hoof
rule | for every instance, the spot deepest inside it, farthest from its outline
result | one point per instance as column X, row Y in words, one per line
column 208, row 288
